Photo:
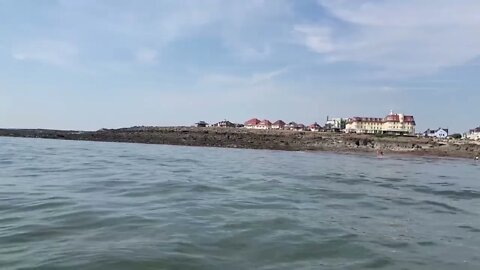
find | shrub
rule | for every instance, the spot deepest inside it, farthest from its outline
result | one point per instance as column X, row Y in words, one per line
column 456, row 136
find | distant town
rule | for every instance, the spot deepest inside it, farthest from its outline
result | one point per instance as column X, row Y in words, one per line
column 392, row 124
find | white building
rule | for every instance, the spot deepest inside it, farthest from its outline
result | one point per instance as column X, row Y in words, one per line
column 474, row 134
column 440, row 133
column 336, row 124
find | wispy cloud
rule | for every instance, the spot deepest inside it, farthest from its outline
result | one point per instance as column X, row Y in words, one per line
column 406, row 38
column 248, row 29
column 220, row 79
column 317, row 38
column 52, row 52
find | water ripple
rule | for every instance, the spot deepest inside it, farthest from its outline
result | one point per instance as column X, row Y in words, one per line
column 87, row 205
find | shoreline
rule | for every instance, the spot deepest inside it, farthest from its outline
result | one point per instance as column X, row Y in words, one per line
column 284, row 140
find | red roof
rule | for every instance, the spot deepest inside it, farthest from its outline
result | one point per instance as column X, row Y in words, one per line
column 366, row 119
column 396, row 118
column 392, row 118
column 388, row 118
column 252, row 122
column 265, row 123
column 408, row 119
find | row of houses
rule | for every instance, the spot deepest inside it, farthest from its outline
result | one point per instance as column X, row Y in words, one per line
column 223, row 124
column 393, row 123
column 256, row 123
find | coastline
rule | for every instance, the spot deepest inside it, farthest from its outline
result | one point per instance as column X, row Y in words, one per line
column 265, row 139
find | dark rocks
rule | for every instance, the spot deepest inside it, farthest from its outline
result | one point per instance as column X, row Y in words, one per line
column 259, row 139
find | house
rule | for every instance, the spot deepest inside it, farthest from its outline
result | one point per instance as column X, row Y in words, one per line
column 202, row 124
column 335, row 124
column 279, row 124
column 474, row 134
column 224, row 124
column 291, row 126
column 300, row 127
column 264, row 124
column 315, row 127
column 393, row 123
column 252, row 123
column 440, row 133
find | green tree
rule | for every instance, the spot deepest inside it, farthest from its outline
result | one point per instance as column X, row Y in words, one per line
column 456, row 136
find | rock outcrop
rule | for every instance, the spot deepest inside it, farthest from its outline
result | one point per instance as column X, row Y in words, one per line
column 263, row 139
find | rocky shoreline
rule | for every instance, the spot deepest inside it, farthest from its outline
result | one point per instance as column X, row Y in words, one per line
column 264, row 139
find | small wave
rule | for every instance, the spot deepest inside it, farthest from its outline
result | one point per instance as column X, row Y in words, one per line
column 453, row 194
column 444, row 206
column 470, row 228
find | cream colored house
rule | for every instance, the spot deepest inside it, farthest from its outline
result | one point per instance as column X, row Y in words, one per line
column 264, row 124
column 392, row 124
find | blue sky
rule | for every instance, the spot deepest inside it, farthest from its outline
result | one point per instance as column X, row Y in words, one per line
column 103, row 63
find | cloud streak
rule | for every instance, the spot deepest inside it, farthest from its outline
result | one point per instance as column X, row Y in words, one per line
column 403, row 38
column 52, row 52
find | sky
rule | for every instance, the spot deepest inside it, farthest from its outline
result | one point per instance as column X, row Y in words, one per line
column 94, row 64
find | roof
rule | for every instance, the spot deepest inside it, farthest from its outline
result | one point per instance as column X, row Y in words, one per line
column 392, row 117
column 252, row 122
column 475, row 130
column 315, row 125
column 434, row 131
column 395, row 117
column 366, row 119
column 265, row 122
column 225, row 122
column 279, row 123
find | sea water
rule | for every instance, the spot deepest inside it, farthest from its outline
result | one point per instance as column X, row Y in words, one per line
column 93, row 205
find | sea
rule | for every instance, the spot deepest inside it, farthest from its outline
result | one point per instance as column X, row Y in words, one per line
column 99, row 205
